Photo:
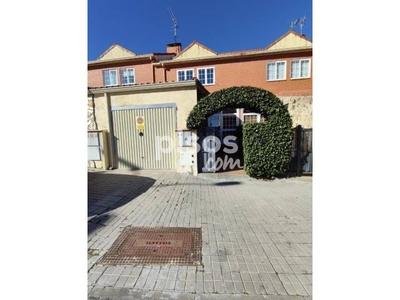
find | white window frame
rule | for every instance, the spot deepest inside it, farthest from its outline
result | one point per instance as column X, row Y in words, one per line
column 300, row 60
column 276, row 69
column 185, row 71
column 220, row 116
column 116, row 77
column 205, row 69
column 252, row 114
column 121, row 75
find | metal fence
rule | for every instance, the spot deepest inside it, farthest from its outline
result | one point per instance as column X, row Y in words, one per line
column 302, row 158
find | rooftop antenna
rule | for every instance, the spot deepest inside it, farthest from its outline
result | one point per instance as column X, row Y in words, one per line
column 175, row 23
column 302, row 23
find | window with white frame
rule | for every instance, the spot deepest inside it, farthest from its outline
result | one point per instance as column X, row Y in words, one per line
column 300, row 69
column 276, row 70
column 110, row 77
column 183, row 75
column 206, row 75
column 252, row 117
column 127, row 76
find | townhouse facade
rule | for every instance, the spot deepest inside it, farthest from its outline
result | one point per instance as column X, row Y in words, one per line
column 162, row 88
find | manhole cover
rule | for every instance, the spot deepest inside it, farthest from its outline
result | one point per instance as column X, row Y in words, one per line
column 160, row 245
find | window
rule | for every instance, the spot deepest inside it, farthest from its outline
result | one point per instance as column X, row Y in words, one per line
column 127, row 76
column 184, row 75
column 206, row 75
column 110, row 77
column 252, row 117
column 276, row 70
column 300, row 69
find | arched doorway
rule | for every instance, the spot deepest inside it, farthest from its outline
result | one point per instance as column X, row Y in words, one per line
column 219, row 117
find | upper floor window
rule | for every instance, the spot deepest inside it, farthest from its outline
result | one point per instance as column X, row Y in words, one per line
column 184, row 75
column 127, row 76
column 110, row 77
column 206, row 75
column 276, row 70
column 300, row 69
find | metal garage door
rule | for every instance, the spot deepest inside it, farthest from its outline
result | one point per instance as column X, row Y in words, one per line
column 150, row 148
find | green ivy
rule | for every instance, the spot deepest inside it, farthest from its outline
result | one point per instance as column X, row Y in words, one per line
column 266, row 145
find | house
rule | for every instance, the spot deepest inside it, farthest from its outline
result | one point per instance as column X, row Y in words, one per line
column 160, row 89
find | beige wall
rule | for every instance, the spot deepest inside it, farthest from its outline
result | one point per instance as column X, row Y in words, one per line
column 300, row 109
column 291, row 41
column 117, row 52
column 184, row 99
column 195, row 51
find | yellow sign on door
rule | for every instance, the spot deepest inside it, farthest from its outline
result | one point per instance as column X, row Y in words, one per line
column 140, row 123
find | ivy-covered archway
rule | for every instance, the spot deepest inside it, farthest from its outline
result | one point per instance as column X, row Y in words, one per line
column 266, row 145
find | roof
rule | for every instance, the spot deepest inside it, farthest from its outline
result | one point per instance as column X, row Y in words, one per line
column 146, row 86
column 123, row 52
column 299, row 40
column 195, row 49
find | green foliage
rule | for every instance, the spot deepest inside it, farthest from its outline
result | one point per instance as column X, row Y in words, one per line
column 252, row 98
column 266, row 145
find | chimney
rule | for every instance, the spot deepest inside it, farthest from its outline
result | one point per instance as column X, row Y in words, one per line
column 174, row 48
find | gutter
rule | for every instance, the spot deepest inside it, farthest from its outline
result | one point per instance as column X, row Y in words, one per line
column 144, row 87
column 126, row 59
column 232, row 56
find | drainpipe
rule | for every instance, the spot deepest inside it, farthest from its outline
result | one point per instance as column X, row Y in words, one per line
column 110, row 130
column 152, row 59
column 94, row 111
column 165, row 72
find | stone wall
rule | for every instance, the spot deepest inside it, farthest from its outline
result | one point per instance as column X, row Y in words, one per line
column 300, row 109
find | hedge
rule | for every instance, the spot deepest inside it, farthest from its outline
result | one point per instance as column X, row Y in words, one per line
column 267, row 148
column 266, row 145
column 254, row 99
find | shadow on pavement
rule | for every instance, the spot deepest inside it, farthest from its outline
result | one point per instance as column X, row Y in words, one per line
column 228, row 183
column 107, row 191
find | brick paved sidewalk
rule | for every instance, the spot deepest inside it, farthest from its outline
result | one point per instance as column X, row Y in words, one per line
column 256, row 235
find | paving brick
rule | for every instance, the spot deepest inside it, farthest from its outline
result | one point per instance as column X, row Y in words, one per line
column 180, row 286
column 209, row 286
column 245, row 276
column 259, row 288
column 290, row 289
column 230, row 287
column 199, row 286
column 160, row 284
column 112, row 279
column 103, row 279
column 300, row 289
column 130, row 282
column 140, row 283
column 240, row 233
column 308, row 288
column 249, row 287
column 170, row 285
column 219, row 286
column 109, row 270
column 150, row 283
column 239, row 287
column 136, row 271
column 118, row 270
column 280, row 289
column 121, row 281
column 190, row 286
column 172, row 275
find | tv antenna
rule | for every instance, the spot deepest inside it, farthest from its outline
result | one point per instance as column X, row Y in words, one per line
column 302, row 23
column 175, row 24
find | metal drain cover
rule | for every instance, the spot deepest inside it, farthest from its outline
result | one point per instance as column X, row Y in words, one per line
column 160, row 245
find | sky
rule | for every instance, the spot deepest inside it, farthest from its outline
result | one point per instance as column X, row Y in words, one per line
column 146, row 26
